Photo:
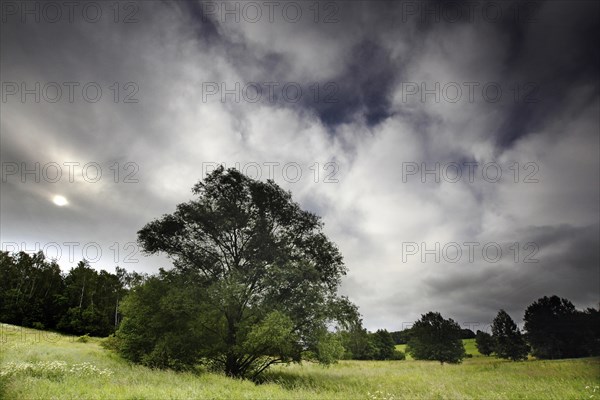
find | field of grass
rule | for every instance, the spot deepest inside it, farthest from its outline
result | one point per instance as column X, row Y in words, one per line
column 37, row 364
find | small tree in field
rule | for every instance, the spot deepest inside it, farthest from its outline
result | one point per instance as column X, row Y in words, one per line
column 436, row 338
column 254, row 283
column 384, row 345
column 484, row 342
column 509, row 342
column 357, row 342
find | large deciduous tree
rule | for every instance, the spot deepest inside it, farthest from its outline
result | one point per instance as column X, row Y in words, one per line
column 555, row 329
column 436, row 338
column 254, row 280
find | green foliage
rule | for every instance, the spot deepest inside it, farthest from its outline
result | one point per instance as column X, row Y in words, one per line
column 84, row 338
column 467, row 334
column 38, row 325
column 401, row 337
column 436, row 338
column 590, row 324
column 398, row 355
column 357, row 342
column 254, row 282
column 484, row 342
column 158, row 330
column 509, row 342
column 329, row 348
column 272, row 338
column 34, row 293
column 30, row 290
column 362, row 345
column 555, row 329
column 110, row 343
column 384, row 345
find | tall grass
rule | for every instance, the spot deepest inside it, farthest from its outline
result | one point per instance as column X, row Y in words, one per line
column 37, row 364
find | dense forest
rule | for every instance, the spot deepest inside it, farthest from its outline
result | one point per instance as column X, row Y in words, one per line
column 35, row 293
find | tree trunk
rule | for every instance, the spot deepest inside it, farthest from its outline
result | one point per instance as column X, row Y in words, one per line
column 116, row 314
column 82, row 291
column 232, row 365
column 232, row 368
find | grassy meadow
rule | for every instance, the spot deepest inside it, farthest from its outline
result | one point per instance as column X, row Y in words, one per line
column 43, row 365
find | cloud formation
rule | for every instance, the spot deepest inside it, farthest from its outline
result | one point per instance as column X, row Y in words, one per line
column 418, row 107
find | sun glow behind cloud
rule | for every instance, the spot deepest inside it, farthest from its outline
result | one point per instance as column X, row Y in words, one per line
column 60, row 201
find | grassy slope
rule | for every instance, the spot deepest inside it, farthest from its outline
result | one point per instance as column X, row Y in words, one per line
column 479, row 377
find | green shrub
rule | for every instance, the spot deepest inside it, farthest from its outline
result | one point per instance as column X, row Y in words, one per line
column 110, row 343
column 83, row 339
column 329, row 348
column 38, row 325
column 398, row 355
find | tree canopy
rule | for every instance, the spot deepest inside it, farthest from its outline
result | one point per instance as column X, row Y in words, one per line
column 509, row 342
column 35, row 293
column 555, row 329
column 384, row 345
column 254, row 281
column 435, row 338
column 484, row 343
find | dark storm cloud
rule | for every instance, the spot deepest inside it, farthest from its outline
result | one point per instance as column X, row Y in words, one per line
column 556, row 52
column 568, row 267
column 204, row 26
column 360, row 89
column 548, row 55
column 365, row 87
column 368, row 131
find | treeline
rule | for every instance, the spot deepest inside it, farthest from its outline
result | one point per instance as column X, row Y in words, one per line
column 554, row 329
column 35, row 293
column 403, row 336
column 359, row 344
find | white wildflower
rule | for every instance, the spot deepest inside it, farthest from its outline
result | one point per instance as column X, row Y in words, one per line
column 51, row 369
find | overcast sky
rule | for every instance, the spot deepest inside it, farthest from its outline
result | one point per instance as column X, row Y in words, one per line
column 452, row 149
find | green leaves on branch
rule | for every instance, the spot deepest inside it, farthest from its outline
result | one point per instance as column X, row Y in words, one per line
column 274, row 336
